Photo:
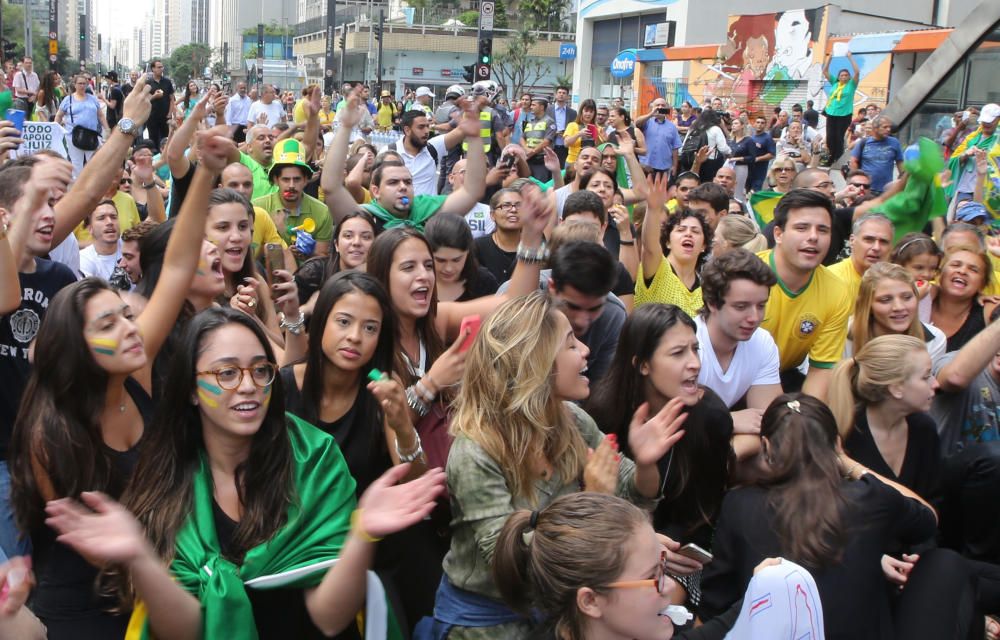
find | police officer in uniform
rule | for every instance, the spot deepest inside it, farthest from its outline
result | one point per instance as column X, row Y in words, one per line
column 446, row 114
column 538, row 134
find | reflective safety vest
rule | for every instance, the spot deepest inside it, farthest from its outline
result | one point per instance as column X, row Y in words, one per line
column 534, row 131
column 485, row 130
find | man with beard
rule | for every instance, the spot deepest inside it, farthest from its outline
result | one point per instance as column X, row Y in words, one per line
column 392, row 185
column 587, row 162
column 289, row 206
column 421, row 152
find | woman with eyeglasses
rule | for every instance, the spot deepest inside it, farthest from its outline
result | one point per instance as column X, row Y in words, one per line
column 592, row 566
column 816, row 507
column 230, row 495
column 781, row 174
column 87, row 407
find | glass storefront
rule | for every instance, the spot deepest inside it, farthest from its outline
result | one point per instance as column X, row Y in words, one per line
column 610, row 37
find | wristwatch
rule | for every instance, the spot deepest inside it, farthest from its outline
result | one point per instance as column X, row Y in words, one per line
column 128, row 127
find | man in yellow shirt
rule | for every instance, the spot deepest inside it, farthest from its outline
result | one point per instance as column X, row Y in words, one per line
column 387, row 111
column 808, row 308
column 871, row 242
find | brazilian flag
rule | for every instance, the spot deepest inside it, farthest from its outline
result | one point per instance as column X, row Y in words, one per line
column 762, row 203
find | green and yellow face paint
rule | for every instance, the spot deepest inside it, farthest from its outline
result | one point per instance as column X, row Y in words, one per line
column 104, row 346
column 206, row 391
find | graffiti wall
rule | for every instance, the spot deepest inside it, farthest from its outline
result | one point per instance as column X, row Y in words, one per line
column 775, row 60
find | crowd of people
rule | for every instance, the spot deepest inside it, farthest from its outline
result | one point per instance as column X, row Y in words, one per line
column 293, row 365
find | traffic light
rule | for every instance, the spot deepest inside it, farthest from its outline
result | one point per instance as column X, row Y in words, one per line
column 8, row 49
column 485, row 51
column 470, row 73
column 343, row 41
column 377, row 30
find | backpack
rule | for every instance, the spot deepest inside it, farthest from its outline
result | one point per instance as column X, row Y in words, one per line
column 694, row 140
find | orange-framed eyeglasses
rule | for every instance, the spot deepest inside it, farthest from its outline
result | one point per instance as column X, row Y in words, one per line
column 659, row 581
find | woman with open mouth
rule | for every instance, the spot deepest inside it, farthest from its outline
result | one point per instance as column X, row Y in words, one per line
column 957, row 311
column 242, row 520
column 673, row 249
column 656, row 363
column 87, row 408
column 888, row 303
column 353, row 238
column 521, row 441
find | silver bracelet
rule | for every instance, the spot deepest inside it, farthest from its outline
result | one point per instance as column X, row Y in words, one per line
column 533, row 256
column 417, row 452
column 415, row 403
column 294, row 328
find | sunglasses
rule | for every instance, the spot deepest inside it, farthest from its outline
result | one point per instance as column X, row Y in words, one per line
column 783, row 169
column 125, row 181
column 860, row 185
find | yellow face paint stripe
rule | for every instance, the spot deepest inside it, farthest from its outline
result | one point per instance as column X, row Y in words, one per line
column 107, row 346
column 207, row 399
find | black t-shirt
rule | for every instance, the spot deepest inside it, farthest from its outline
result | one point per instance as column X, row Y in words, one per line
column 499, row 262
column 179, row 186
column 921, row 470
column 853, row 591
column 278, row 613
column 114, row 115
column 482, row 284
column 161, row 106
column 17, row 330
column 311, row 276
column 624, row 285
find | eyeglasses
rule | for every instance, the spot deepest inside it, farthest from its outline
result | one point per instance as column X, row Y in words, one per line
column 231, row 377
column 659, row 581
column 860, row 185
column 783, row 169
column 507, row 206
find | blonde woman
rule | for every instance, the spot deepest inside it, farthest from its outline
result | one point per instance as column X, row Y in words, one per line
column 781, row 174
column 887, row 304
column 880, row 398
column 735, row 232
column 520, row 442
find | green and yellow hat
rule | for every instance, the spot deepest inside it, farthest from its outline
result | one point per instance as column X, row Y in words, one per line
column 287, row 153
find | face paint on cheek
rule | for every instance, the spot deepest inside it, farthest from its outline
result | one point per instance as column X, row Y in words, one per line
column 267, row 395
column 208, row 400
column 105, row 346
column 211, row 388
column 202, row 267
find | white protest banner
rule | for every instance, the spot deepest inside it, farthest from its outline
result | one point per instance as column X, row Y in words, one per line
column 42, row 135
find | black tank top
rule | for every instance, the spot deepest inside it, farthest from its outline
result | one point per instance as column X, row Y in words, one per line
column 974, row 323
column 65, row 598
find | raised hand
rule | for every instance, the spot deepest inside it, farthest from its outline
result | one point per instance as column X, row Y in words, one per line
column 387, row 507
column 450, row 365
column 351, row 114
column 390, row 395
column 215, row 147
column 626, row 145
column 651, row 438
column 536, row 212
column 104, row 533
column 601, row 472
column 138, row 103
column 551, row 160
column 656, row 201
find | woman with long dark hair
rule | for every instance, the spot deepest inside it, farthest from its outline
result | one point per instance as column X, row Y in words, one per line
column 353, row 238
column 804, row 509
column 459, row 275
column 192, row 93
column 47, row 100
column 86, row 408
column 656, row 362
column 621, row 127
column 706, row 132
column 229, row 493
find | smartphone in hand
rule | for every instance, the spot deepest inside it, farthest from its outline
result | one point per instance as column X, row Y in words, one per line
column 472, row 323
column 274, row 259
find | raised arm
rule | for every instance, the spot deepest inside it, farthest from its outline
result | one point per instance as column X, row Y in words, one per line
column 144, row 178
column 970, row 359
column 652, row 252
column 184, row 246
column 93, row 182
column 177, row 159
column 338, row 199
column 311, row 133
column 640, row 186
column 854, row 65
column 462, row 200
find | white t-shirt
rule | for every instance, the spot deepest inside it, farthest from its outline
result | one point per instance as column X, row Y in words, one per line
column 422, row 166
column 480, row 221
column 94, row 264
column 275, row 112
column 754, row 363
column 68, row 253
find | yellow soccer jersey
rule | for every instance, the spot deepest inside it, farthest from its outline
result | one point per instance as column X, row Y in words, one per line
column 810, row 322
column 667, row 288
column 848, row 275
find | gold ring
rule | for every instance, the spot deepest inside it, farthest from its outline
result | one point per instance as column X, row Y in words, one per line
column 252, row 303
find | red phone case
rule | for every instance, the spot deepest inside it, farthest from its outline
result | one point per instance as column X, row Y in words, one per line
column 470, row 322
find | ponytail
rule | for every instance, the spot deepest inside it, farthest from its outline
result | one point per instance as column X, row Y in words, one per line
column 510, row 560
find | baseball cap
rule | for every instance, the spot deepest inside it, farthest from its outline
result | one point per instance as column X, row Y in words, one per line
column 970, row 211
column 424, row 91
column 989, row 113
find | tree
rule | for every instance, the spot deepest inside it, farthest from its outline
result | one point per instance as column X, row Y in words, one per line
column 515, row 68
column 13, row 30
column 542, row 15
column 188, row 61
